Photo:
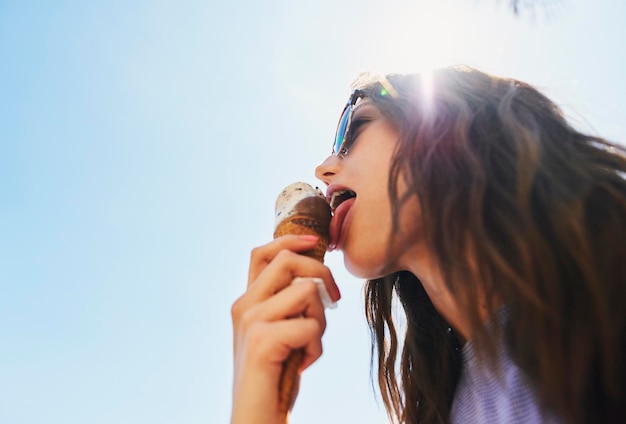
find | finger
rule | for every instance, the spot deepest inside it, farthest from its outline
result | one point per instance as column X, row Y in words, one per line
column 269, row 344
column 275, row 277
column 295, row 302
column 282, row 270
column 299, row 300
column 263, row 255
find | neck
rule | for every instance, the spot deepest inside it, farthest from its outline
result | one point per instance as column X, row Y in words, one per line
column 445, row 302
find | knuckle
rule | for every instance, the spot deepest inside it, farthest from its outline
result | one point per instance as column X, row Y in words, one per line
column 237, row 308
column 318, row 350
column 256, row 252
column 284, row 255
column 322, row 325
column 315, row 327
column 315, row 346
column 247, row 320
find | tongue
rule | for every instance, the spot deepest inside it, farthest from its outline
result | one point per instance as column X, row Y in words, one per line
column 336, row 224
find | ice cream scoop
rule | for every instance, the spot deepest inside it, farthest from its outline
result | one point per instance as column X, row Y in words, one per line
column 300, row 210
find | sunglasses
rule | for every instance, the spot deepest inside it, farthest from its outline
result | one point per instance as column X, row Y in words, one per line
column 342, row 142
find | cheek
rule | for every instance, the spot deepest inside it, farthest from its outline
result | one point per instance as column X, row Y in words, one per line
column 375, row 251
column 366, row 252
column 410, row 222
column 411, row 225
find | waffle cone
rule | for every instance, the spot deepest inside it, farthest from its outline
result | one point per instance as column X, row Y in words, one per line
column 287, row 383
column 303, row 225
column 298, row 225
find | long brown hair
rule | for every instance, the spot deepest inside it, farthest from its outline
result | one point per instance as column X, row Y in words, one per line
column 519, row 206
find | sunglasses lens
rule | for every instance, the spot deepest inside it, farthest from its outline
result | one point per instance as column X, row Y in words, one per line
column 342, row 128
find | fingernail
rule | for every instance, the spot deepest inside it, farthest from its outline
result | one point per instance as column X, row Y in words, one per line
column 308, row 237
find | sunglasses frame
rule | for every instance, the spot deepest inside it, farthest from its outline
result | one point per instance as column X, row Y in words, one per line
column 340, row 147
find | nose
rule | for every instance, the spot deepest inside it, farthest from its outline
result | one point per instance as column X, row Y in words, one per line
column 327, row 170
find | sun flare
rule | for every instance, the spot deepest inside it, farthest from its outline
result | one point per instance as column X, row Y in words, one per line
column 432, row 35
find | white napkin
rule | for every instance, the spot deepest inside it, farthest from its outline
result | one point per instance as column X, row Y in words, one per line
column 321, row 290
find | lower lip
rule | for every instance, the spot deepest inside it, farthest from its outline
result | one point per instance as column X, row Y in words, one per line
column 339, row 224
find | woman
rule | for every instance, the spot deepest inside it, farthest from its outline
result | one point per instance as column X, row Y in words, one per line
column 500, row 229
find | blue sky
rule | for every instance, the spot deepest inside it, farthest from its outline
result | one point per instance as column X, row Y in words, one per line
column 142, row 145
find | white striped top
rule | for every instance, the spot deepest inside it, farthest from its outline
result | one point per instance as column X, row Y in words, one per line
column 483, row 397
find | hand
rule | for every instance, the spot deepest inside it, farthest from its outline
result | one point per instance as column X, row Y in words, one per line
column 264, row 327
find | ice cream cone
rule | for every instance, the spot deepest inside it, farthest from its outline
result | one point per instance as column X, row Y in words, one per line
column 300, row 210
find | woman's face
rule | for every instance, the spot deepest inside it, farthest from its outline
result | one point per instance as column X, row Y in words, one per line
column 361, row 225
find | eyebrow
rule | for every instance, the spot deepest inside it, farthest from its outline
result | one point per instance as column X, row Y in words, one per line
column 363, row 104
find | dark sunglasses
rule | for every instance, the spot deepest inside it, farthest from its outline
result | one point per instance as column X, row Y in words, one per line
column 342, row 143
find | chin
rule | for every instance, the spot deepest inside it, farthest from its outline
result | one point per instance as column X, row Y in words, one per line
column 364, row 268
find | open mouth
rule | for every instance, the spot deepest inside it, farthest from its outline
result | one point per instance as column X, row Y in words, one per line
column 340, row 196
